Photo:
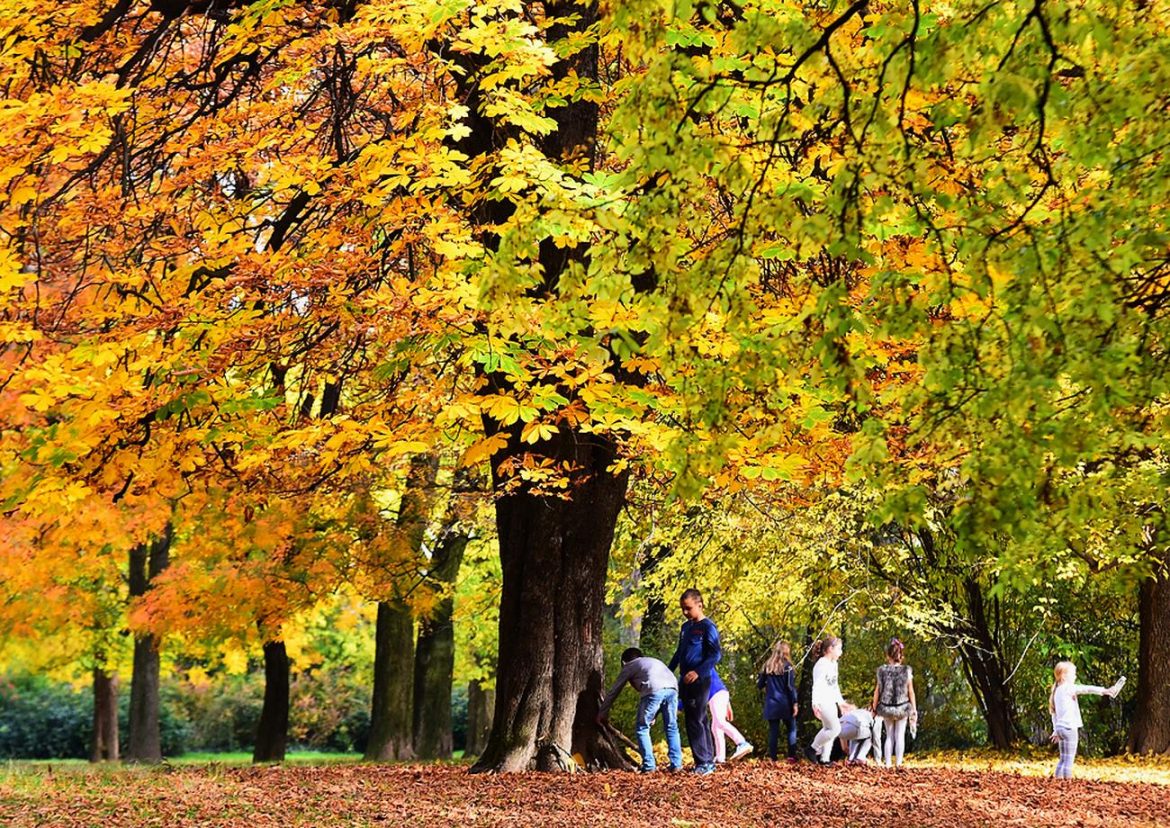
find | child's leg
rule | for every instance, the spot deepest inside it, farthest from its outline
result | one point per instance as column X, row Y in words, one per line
column 670, row 723
column 717, row 707
column 773, row 738
column 888, row 737
column 647, row 709
column 694, row 699
column 899, row 739
column 830, row 727
column 721, row 727
column 1067, row 739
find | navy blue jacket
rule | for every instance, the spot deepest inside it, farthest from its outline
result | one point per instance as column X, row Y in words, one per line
column 698, row 648
column 779, row 693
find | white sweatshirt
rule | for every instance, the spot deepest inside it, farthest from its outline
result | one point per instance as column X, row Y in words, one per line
column 1066, row 712
column 825, row 692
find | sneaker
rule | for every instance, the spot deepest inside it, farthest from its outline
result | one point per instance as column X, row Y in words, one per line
column 704, row 770
column 741, row 751
column 647, row 770
column 812, row 755
column 675, row 769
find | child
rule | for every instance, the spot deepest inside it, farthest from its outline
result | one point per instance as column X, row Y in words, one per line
column 1066, row 712
column 860, row 731
column 719, row 705
column 698, row 652
column 658, row 691
column 826, row 695
column 778, row 681
column 893, row 700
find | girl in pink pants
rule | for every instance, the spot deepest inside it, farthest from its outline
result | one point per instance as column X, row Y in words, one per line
column 719, row 704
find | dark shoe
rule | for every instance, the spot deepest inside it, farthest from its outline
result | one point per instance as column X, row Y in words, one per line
column 812, row 755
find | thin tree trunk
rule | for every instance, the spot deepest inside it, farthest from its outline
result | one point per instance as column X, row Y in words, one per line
column 480, row 704
column 1151, row 726
column 392, row 715
column 390, row 728
column 272, row 734
column 104, row 747
column 434, row 657
column 987, row 671
column 147, row 561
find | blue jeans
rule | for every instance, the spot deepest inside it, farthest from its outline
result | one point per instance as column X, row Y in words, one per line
column 649, row 706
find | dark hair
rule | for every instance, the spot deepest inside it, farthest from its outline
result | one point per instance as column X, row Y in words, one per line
column 894, row 650
column 693, row 594
column 819, row 648
column 630, row 653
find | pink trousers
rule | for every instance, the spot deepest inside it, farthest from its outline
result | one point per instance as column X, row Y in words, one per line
column 719, row 704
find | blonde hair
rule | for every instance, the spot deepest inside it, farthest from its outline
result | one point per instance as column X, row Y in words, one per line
column 1059, row 673
column 780, row 659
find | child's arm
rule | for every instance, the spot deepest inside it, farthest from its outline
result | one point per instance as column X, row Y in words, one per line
column 677, row 657
column 712, row 649
column 611, row 696
column 910, row 688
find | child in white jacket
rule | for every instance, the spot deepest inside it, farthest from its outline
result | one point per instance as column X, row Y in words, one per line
column 826, row 696
column 1066, row 712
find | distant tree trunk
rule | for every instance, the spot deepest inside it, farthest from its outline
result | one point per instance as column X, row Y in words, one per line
column 272, row 734
column 434, row 657
column 480, row 704
column 390, row 727
column 104, row 747
column 392, row 714
column 803, row 663
column 147, row 561
column 1151, row 726
column 986, row 670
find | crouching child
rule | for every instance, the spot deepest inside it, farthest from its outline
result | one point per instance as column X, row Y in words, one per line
column 658, row 694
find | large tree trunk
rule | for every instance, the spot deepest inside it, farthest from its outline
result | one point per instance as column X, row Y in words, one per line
column 392, row 716
column 272, row 734
column 104, row 747
column 1151, row 726
column 391, row 739
column 147, row 561
column 434, row 657
column 480, row 704
column 554, row 554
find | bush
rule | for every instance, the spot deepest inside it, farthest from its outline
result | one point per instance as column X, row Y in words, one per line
column 42, row 719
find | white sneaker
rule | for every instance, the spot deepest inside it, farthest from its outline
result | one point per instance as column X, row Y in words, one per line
column 741, row 751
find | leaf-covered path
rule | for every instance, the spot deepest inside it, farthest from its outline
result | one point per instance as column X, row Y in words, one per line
column 754, row 794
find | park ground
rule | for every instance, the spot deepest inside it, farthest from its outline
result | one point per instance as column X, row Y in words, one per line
column 936, row 791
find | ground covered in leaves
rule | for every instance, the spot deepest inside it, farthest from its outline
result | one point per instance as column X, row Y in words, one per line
column 757, row 793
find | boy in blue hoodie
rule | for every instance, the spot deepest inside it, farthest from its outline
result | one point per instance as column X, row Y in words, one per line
column 698, row 652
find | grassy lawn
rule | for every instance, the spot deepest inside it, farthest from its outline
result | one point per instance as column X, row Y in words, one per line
column 1040, row 762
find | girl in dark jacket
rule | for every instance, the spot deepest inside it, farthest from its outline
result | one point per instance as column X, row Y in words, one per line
column 778, row 681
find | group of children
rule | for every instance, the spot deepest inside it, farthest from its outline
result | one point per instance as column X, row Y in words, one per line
column 881, row 728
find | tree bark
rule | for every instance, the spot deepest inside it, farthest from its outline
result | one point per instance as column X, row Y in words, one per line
column 147, row 561
column 392, row 715
column 390, row 727
column 480, row 704
column 1151, row 726
column 987, row 670
column 272, row 734
column 554, row 554
column 434, row 657
column 104, row 747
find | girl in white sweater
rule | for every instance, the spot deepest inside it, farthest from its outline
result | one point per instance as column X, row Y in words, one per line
column 826, row 695
column 1066, row 712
